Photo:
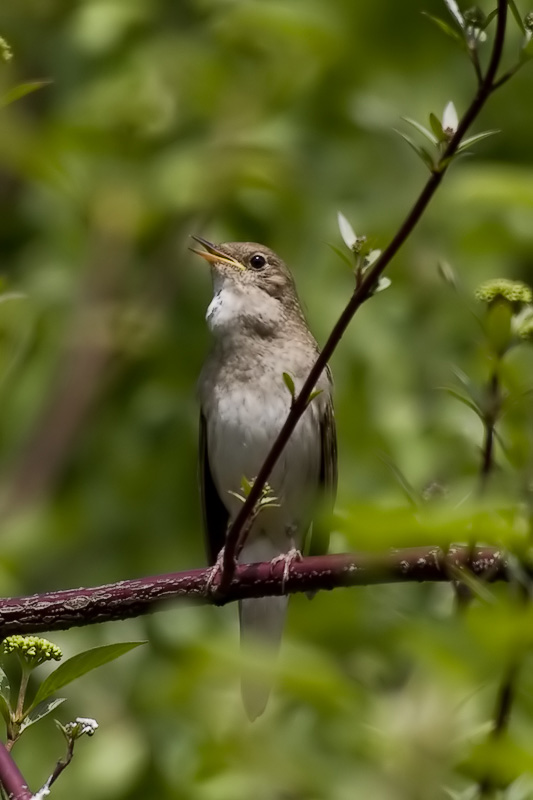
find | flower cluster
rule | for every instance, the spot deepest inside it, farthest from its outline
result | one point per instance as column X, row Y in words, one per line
column 32, row 649
column 80, row 727
column 514, row 292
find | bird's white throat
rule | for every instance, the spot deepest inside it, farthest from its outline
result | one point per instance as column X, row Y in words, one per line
column 233, row 307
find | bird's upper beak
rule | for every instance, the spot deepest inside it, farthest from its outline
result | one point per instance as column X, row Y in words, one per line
column 213, row 254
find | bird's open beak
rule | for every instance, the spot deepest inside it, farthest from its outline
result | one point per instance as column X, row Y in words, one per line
column 213, row 255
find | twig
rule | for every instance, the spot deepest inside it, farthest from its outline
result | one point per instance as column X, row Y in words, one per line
column 489, row 421
column 70, row 608
column 363, row 292
column 12, row 778
column 507, row 688
column 58, row 769
column 504, row 703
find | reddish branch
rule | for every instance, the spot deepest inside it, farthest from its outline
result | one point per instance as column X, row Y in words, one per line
column 69, row 608
column 12, row 778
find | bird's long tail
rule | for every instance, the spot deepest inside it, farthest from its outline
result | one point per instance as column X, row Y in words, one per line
column 262, row 621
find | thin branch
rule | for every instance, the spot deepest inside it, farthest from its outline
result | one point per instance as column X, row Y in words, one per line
column 493, row 407
column 11, row 777
column 71, row 608
column 362, row 293
column 504, row 704
column 61, row 765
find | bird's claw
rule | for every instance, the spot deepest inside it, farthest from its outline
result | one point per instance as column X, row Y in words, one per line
column 214, row 573
column 288, row 560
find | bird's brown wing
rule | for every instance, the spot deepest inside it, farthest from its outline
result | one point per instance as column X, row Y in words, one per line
column 328, row 480
column 214, row 511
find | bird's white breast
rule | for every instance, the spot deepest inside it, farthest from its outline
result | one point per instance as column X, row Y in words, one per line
column 241, row 431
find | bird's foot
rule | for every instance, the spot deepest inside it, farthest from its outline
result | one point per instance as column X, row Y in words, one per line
column 215, row 574
column 288, row 560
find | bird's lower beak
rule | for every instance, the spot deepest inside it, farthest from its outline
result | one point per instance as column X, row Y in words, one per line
column 213, row 254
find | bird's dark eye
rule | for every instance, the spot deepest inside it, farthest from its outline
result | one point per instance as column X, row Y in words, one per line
column 258, row 261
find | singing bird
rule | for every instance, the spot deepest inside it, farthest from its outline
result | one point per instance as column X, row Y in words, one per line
column 259, row 333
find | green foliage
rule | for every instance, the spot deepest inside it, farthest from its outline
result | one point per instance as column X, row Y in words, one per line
column 79, row 665
column 256, row 120
column 32, row 652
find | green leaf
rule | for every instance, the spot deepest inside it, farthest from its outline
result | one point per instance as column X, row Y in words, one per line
column 409, row 490
column 348, row 234
column 447, row 29
column 79, row 665
column 516, row 14
column 467, row 401
column 5, row 709
column 340, row 253
column 475, row 139
column 246, row 485
column 526, row 52
column 447, row 273
column 436, row 127
column 462, row 377
column 421, row 152
column 289, row 383
column 5, row 696
column 489, row 18
column 453, row 8
column 5, row 687
column 313, row 395
column 41, row 711
column 421, row 129
column 17, row 92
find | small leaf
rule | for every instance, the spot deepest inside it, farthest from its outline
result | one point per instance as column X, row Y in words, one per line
column 447, row 29
column 453, row 8
column 450, row 120
column 464, row 399
column 314, row 394
column 5, row 696
column 347, row 232
column 462, row 377
column 383, row 283
column 289, row 383
column 5, row 687
column 421, row 152
column 410, row 492
column 475, row 139
column 238, row 496
column 526, row 51
column 246, row 485
column 17, row 92
column 79, row 665
column 341, row 254
column 424, row 131
column 370, row 259
column 489, row 18
column 436, row 127
column 41, row 711
column 447, row 273
column 516, row 14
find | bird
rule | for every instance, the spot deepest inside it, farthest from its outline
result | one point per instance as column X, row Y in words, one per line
column 259, row 332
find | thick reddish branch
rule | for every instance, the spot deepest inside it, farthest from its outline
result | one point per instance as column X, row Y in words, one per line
column 76, row 607
column 11, row 777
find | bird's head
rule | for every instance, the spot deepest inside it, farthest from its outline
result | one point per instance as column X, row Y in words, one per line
column 248, row 266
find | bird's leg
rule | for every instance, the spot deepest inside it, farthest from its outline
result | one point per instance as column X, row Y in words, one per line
column 288, row 558
column 214, row 572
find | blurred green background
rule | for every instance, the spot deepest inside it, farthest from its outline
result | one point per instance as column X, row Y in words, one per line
column 243, row 120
